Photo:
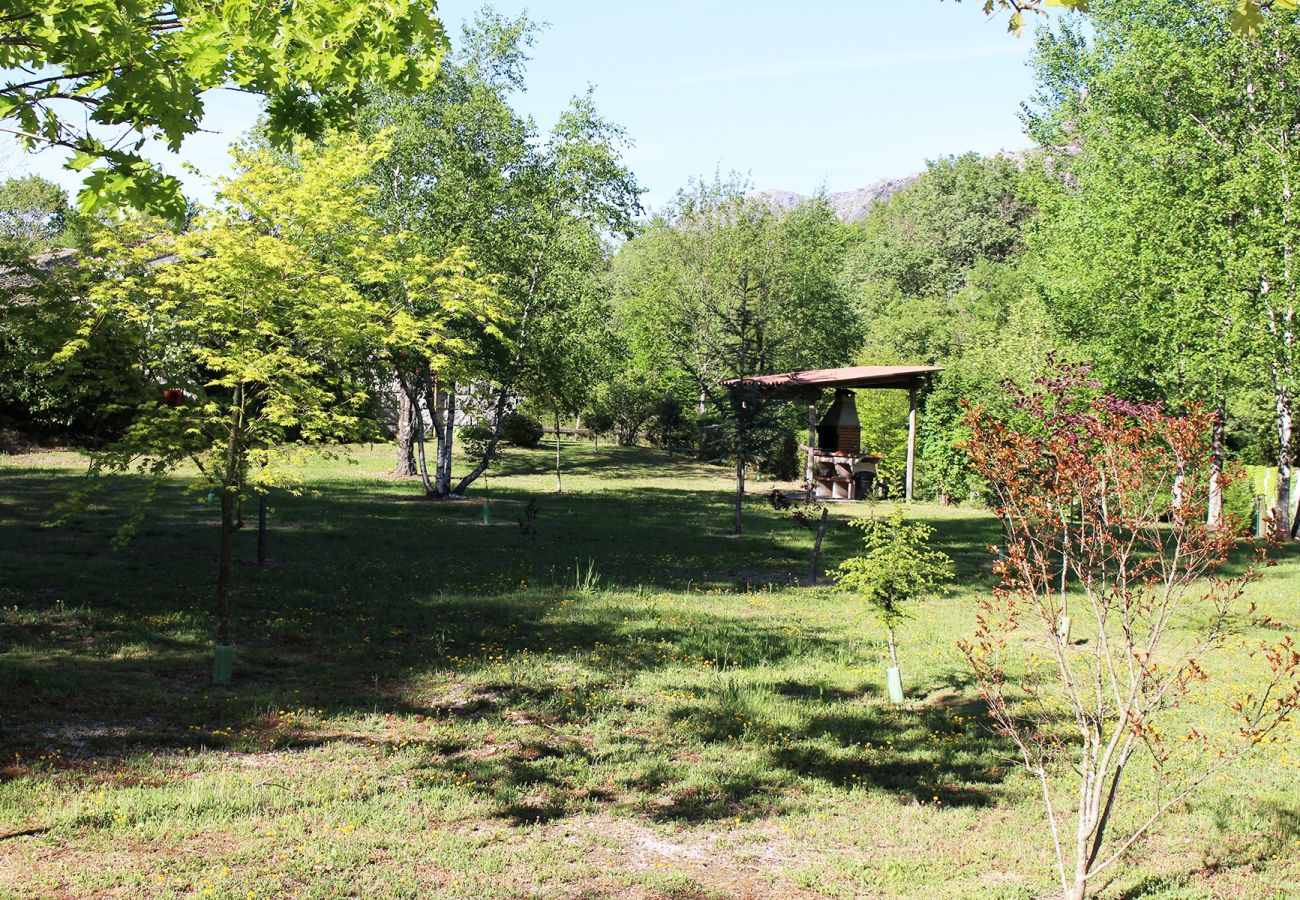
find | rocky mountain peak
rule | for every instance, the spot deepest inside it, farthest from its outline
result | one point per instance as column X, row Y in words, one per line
column 850, row 206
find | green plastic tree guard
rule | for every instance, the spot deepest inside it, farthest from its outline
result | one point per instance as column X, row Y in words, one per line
column 894, row 681
column 221, row 663
column 487, row 513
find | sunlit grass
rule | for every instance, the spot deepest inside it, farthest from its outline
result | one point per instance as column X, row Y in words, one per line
column 427, row 706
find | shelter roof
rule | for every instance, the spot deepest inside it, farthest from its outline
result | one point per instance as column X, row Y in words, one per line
column 810, row 380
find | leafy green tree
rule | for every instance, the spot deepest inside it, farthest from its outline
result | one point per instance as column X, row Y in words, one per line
column 897, row 567
column 937, row 274
column 570, row 356
column 46, row 267
column 719, row 287
column 1247, row 15
column 1176, row 230
column 34, row 213
column 681, row 282
column 86, row 399
column 468, row 170
column 624, row 404
column 254, row 329
column 914, row 253
column 96, row 77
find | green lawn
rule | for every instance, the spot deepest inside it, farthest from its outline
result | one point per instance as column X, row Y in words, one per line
column 629, row 703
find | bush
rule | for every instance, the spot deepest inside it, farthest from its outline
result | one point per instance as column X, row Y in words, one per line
column 669, row 425
column 629, row 403
column 1239, row 500
column 521, row 430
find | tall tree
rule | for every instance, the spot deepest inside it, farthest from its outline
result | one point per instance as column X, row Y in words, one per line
column 44, row 272
column 571, row 356
column 254, row 329
column 95, row 77
column 34, row 212
column 467, row 169
column 1178, row 229
column 721, row 287
column 937, row 274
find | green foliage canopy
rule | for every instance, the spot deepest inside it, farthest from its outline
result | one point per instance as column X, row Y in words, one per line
column 937, row 273
column 98, row 77
column 1176, row 228
column 532, row 208
column 1247, row 16
column 34, row 212
column 896, row 567
column 720, row 285
column 256, row 327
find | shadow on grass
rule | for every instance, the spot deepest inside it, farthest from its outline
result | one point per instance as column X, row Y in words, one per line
column 915, row 753
column 940, row 751
column 584, row 460
column 106, row 652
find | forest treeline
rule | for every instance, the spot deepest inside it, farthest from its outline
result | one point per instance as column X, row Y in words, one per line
column 447, row 259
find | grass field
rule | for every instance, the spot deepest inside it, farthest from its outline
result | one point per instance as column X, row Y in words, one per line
column 631, row 702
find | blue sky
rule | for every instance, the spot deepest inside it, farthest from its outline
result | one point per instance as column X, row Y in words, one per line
column 796, row 96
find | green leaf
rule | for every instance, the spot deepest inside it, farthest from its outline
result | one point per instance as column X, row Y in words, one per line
column 81, row 160
column 1246, row 18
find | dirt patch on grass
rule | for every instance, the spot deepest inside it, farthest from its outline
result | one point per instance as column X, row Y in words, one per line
column 728, row 862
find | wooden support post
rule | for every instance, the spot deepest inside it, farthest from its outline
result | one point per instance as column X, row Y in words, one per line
column 911, row 441
column 817, row 546
column 809, row 470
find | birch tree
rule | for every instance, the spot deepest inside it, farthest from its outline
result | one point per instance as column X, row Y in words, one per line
column 532, row 210
column 1184, row 132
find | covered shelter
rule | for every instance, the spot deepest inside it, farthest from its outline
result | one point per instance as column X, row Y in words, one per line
column 835, row 457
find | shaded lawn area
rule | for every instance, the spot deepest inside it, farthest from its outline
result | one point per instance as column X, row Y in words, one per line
column 428, row 706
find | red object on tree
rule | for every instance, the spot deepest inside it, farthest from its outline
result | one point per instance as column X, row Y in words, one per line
column 173, row 396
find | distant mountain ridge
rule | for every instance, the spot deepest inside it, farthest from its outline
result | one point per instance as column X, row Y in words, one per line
column 850, row 206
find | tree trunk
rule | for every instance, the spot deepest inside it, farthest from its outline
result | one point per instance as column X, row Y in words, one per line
column 893, row 650
column 420, row 442
column 1282, row 509
column 809, row 469
column 910, row 473
column 261, row 530
column 413, row 392
column 499, row 411
column 234, row 466
column 1214, row 511
column 559, row 488
column 740, row 474
column 446, row 399
column 223, row 566
column 405, row 436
